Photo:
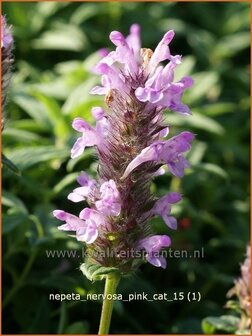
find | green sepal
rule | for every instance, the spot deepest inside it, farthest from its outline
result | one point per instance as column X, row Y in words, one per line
column 96, row 272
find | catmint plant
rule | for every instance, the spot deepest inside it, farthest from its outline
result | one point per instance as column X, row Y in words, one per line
column 132, row 145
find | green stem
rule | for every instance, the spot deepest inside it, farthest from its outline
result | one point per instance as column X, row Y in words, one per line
column 21, row 279
column 112, row 280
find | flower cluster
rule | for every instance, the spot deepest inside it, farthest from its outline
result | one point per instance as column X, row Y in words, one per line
column 7, row 60
column 131, row 145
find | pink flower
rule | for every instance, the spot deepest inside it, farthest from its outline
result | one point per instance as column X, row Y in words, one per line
column 110, row 202
column 152, row 245
column 162, row 207
column 169, row 152
column 83, row 192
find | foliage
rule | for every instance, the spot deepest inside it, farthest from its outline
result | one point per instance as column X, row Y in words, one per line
column 56, row 47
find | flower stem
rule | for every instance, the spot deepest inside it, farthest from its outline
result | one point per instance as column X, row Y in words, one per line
column 112, row 280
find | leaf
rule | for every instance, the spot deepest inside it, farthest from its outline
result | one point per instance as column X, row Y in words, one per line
column 79, row 96
column 231, row 44
column 213, row 169
column 227, row 323
column 185, row 68
column 10, row 200
column 10, row 165
column 31, row 106
column 84, row 12
column 198, row 121
column 204, row 82
column 217, row 109
column 27, row 157
column 70, row 178
column 79, row 327
column 21, row 135
column 10, row 222
column 61, row 37
column 96, row 272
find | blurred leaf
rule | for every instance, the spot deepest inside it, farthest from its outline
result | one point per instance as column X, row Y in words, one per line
column 32, row 107
column 10, row 165
column 68, row 179
column 79, row 96
column 227, row 323
column 27, row 157
column 21, row 135
column 197, row 122
column 212, row 169
column 10, row 200
column 61, row 37
column 230, row 45
column 84, row 12
column 203, row 84
column 10, row 222
column 79, row 327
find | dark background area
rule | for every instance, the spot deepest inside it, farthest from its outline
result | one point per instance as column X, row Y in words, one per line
column 55, row 47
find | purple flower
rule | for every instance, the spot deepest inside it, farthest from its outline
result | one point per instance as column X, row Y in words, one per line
column 86, row 230
column 152, row 245
column 169, row 152
column 98, row 113
column 89, row 137
column 162, row 207
column 110, row 202
column 86, row 189
column 72, row 223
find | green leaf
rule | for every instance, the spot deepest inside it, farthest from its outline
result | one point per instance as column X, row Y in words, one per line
column 227, row 323
column 61, row 37
column 198, row 121
column 185, row 68
column 10, row 200
column 96, row 272
column 231, row 44
column 10, row 222
column 30, row 105
column 213, row 169
column 21, row 135
column 83, row 13
column 10, row 165
column 79, row 96
column 27, row 157
column 70, row 178
column 204, row 82
column 80, row 327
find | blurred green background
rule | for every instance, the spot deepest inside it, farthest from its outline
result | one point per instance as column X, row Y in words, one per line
column 55, row 47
